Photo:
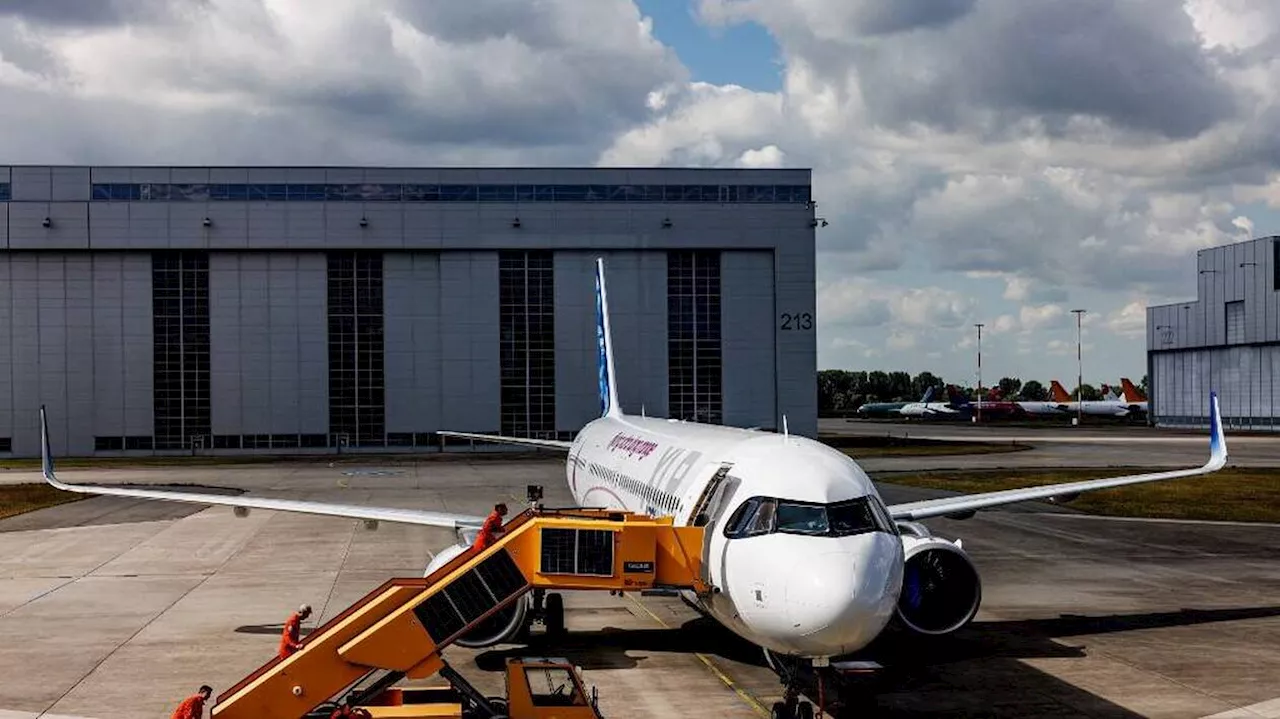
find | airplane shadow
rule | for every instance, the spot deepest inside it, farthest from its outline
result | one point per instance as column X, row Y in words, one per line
column 975, row 672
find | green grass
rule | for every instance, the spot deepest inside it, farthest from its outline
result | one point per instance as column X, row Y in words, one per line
column 19, row 498
column 1233, row 494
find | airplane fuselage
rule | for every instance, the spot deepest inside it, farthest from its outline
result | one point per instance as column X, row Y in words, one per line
column 790, row 592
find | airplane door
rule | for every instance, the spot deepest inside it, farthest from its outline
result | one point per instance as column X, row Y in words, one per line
column 700, row 516
column 715, row 499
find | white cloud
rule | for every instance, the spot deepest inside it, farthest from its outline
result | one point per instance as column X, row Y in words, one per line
column 861, row 301
column 1130, row 320
column 1064, row 150
column 767, row 156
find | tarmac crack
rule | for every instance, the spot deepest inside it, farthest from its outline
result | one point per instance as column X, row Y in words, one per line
column 73, row 580
column 128, row 639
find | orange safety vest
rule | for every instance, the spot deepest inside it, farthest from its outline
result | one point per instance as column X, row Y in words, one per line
column 191, row 708
column 488, row 530
column 289, row 637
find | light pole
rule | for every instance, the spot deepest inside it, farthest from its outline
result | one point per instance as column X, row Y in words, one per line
column 979, row 417
column 1079, row 371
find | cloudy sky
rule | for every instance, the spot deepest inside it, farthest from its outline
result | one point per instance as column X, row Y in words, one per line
column 995, row 161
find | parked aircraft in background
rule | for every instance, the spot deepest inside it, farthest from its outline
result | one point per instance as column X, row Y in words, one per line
column 933, row 410
column 994, row 407
column 1133, row 396
column 1096, row 408
column 890, row 409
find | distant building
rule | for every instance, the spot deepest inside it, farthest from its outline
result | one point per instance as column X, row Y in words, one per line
column 305, row 309
column 1227, row 340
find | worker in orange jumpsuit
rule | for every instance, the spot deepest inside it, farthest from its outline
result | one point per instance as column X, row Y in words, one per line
column 193, row 706
column 289, row 638
column 492, row 527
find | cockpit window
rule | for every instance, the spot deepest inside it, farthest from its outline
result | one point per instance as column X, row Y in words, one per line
column 765, row 515
column 802, row 518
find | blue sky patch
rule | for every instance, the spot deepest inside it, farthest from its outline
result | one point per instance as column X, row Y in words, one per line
column 742, row 54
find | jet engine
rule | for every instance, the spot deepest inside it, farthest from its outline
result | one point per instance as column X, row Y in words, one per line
column 941, row 590
column 503, row 626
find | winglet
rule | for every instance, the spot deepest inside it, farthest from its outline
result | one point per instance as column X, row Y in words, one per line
column 1217, row 438
column 604, row 344
column 46, row 454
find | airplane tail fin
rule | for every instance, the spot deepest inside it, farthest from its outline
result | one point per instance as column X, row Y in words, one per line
column 1059, row 394
column 1131, row 393
column 956, row 397
column 928, row 395
column 604, row 345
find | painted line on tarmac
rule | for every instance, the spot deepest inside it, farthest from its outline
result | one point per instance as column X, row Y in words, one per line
column 1164, row 520
column 724, row 678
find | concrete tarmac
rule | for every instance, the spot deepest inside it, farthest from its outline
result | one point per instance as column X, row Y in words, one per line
column 116, row 608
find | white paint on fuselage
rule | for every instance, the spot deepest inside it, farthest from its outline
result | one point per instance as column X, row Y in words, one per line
column 793, row 594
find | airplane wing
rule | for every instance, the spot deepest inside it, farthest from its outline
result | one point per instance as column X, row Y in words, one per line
column 965, row 504
column 463, row 524
column 523, row 441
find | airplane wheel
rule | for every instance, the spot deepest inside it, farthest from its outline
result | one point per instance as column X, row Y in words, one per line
column 804, row 711
column 554, row 614
column 779, row 711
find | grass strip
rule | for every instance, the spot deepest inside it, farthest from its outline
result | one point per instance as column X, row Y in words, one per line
column 1235, row 494
column 20, row 498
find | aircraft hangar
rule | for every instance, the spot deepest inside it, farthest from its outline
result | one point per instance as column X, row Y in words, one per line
column 314, row 309
column 1227, row 339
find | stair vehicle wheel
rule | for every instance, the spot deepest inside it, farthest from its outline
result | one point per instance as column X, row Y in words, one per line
column 499, row 705
column 554, row 616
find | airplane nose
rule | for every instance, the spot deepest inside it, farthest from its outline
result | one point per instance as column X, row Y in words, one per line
column 838, row 600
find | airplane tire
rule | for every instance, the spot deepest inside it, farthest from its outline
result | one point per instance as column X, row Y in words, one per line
column 804, row 711
column 779, row 711
column 554, row 614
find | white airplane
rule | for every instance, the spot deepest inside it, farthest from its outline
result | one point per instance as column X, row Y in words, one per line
column 1133, row 397
column 926, row 408
column 805, row 559
column 1111, row 406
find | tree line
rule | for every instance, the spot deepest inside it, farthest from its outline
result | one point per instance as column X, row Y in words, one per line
column 846, row 391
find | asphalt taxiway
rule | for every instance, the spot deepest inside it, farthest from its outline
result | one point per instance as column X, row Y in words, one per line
column 119, row 608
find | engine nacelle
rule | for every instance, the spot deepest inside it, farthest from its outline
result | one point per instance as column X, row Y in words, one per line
column 502, row 626
column 941, row 590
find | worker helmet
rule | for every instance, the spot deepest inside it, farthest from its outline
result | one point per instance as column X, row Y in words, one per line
column 305, row 608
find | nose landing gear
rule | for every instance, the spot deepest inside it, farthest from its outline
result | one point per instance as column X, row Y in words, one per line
column 793, row 705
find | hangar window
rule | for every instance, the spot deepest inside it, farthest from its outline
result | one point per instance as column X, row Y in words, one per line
column 6, row 444
column 397, row 192
column 693, row 336
column 4, row 192
column 180, row 323
column 527, row 351
column 1235, row 322
column 357, row 393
